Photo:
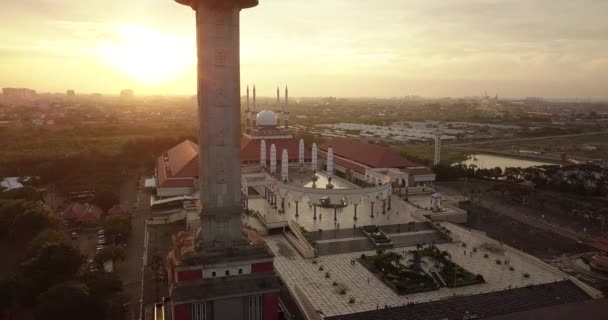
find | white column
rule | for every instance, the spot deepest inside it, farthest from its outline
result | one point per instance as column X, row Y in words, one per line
column 301, row 153
column 273, row 159
column 330, row 162
column 263, row 153
column 284, row 165
column 314, row 157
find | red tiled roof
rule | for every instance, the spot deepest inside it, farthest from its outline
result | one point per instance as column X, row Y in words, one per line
column 182, row 163
column 371, row 155
column 250, row 149
column 180, row 167
column 345, row 163
column 183, row 160
column 83, row 213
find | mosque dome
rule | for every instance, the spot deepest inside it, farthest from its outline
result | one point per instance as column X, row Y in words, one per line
column 267, row 118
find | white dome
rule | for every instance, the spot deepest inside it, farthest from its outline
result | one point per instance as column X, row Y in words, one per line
column 267, row 118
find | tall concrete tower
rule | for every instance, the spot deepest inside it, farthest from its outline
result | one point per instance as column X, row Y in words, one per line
column 217, row 30
column 228, row 277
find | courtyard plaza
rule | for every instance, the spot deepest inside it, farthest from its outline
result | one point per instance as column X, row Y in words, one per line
column 400, row 212
column 369, row 292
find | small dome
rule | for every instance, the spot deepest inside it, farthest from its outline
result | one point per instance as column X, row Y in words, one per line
column 267, row 118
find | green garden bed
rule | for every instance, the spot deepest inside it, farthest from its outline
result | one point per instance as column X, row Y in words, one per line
column 396, row 275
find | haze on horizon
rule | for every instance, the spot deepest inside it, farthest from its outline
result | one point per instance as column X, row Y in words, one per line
column 549, row 48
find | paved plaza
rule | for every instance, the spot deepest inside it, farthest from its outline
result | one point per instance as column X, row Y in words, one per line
column 370, row 292
column 400, row 213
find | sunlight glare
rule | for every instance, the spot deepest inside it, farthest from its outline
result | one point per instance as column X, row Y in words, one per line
column 147, row 56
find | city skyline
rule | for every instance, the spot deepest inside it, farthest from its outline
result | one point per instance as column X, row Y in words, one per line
column 432, row 48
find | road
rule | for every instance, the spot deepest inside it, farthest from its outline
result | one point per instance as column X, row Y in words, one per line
column 530, row 220
column 130, row 270
column 493, row 142
column 524, row 215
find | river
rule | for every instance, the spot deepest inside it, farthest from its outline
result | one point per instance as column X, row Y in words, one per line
column 487, row 161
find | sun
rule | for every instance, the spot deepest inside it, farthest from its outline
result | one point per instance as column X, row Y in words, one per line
column 145, row 55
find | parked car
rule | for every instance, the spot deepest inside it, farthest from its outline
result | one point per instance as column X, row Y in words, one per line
column 101, row 232
column 101, row 241
column 74, row 235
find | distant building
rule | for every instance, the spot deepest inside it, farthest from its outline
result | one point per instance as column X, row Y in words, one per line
column 70, row 93
column 126, row 94
column 18, row 95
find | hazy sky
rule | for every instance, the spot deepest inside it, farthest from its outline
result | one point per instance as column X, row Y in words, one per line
column 553, row 48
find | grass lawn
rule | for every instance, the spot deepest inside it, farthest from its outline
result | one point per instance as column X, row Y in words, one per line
column 427, row 152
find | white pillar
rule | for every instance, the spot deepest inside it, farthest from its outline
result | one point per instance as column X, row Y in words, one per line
column 263, row 153
column 330, row 162
column 314, row 157
column 273, row 159
column 301, row 153
column 284, row 165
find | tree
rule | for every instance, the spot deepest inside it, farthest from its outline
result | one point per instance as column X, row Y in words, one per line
column 106, row 199
column 106, row 292
column 54, row 263
column 111, row 252
column 23, row 220
column 117, row 227
column 58, row 236
column 67, row 300
column 602, row 214
column 25, row 193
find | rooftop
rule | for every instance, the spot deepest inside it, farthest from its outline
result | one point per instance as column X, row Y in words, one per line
column 371, row 155
column 304, row 276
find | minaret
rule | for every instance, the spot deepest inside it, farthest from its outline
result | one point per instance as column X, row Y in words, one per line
column 286, row 99
column 314, row 157
column 220, row 248
column 285, row 112
column 263, row 154
column 247, row 98
column 219, row 113
column 284, row 166
column 330, row 162
column 437, row 158
column 253, row 113
column 247, row 112
column 301, row 153
column 273, row 159
column 278, row 101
